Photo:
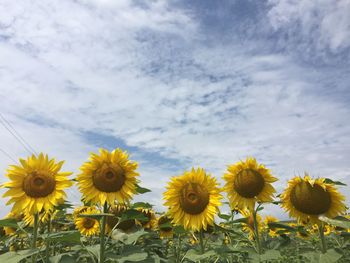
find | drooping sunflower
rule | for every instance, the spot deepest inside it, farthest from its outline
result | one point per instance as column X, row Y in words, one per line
column 306, row 199
column 108, row 177
column 36, row 184
column 113, row 222
column 248, row 226
column 151, row 219
column 248, row 182
column 193, row 199
column 87, row 225
column 165, row 227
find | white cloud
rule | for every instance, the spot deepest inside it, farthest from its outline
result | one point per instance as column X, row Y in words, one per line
column 69, row 67
column 321, row 24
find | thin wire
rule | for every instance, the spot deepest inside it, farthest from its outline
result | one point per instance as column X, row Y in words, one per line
column 8, row 155
column 16, row 135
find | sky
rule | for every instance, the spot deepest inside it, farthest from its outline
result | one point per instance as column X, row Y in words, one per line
column 179, row 84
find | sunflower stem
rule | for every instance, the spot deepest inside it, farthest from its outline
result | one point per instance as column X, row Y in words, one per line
column 35, row 235
column 256, row 232
column 102, row 234
column 322, row 239
column 47, row 250
column 201, row 240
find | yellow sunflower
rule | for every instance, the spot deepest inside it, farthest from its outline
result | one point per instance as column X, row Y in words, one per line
column 248, row 226
column 306, row 199
column 87, row 225
column 248, row 182
column 108, row 177
column 36, row 184
column 113, row 222
column 273, row 232
column 151, row 222
column 43, row 218
column 193, row 199
column 165, row 227
column 327, row 229
column 10, row 230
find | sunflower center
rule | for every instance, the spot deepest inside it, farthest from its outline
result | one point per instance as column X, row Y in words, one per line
column 88, row 223
column 109, row 179
column 39, row 184
column 194, row 198
column 248, row 183
column 311, row 200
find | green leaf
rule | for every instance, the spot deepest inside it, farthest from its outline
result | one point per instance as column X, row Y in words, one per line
column 142, row 190
column 62, row 258
column 94, row 250
column 335, row 222
column 330, row 181
column 8, row 222
column 195, row 256
column 135, row 257
column 280, row 225
column 224, row 216
column 179, row 230
column 330, row 256
column 96, row 216
column 132, row 238
column 65, row 236
column 133, row 214
column 141, row 205
column 270, row 255
column 15, row 257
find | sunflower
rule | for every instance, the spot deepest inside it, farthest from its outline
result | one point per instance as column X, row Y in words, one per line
column 36, row 184
column 306, row 199
column 151, row 220
column 193, row 199
column 108, row 177
column 165, row 227
column 113, row 222
column 273, row 231
column 327, row 229
column 248, row 182
column 10, row 230
column 87, row 225
column 44, row 217
column 248, row 226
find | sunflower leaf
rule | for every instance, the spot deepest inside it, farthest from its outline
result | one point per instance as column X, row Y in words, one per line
column 133, row 214
column 224, row 216
column 335, row 222
column 8, row 222
column 280, row 225
column 142, row 190
column 141, row 205
column 330, row 181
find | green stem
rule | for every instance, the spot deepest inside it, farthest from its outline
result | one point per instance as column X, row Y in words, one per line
column 102, row 234
column 201, row 240
column 178, row 251
column 35, row 235
column 47, row 251
column 256, row 232
column 323, row 240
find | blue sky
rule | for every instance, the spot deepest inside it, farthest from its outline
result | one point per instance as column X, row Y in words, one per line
column 179, row 84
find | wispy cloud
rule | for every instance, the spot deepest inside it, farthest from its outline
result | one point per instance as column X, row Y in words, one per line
column 146, row 76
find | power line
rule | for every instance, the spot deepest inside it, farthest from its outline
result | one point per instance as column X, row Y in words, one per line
column 8, row 155
column 15, row 134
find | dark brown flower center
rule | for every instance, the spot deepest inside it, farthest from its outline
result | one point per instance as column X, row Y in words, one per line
column 109, row 178
column 311, row 200
column 89, row 223
column 248, row 183
column 194, row 198
column 38, row 184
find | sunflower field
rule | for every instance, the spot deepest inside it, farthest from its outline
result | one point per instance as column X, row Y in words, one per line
column 109, row 227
